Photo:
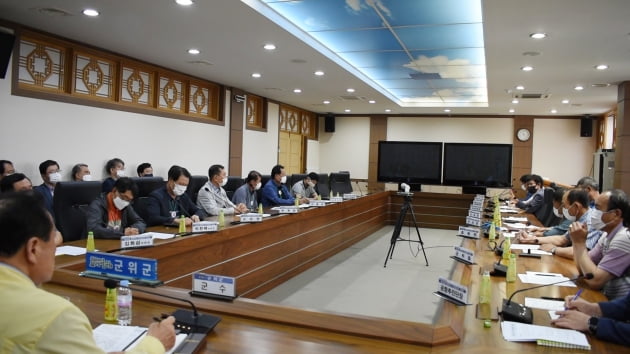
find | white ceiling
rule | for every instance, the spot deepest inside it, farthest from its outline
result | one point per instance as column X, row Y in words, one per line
column 230, row 35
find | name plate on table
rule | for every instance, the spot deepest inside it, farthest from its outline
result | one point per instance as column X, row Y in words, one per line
column 469, row 232
column 251, row 217
column 336, row 199
column 214, row 286
column 464, row 255
column 452, row 292
column 350, row 196
column 473, row 221
column 108, row 265
column 205, row 226
column 137, row 241
column 474, row 213
column 288, row 209
column 317, row 203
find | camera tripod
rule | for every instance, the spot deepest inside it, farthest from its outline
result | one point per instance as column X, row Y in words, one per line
column 407, row 207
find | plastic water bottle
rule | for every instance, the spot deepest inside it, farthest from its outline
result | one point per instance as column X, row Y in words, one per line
column 260, row 208
column 123, row 305
column 485, row 291
column 110, row 303
column 89, row 246
column 182, row 224
column 510, row 276
column 221, row 218
column 507, row 243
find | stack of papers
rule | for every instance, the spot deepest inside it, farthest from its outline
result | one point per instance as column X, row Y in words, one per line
column 515, row 219
column 543, row 278
column 526, row 248
column 69, row 250
column 115, row 338
column 550, row 305
column 543, row 335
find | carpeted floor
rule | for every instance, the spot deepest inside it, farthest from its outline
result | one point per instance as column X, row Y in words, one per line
column 355, row 281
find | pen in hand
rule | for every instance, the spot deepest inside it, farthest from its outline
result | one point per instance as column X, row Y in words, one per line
column 577, row 295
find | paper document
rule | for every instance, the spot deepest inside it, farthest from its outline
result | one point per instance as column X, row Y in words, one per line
column 158, row 235
column 544, row 304
column 525, row 247
column 521, row 332
column 543, row 278
column 69, row 250
column 115, row 338
column 515, row 219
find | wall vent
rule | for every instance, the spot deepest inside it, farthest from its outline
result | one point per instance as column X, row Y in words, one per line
column 352, row 98
column 531, row 96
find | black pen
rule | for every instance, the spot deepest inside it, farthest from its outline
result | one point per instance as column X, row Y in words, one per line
column 546, row 275
column 552, row 298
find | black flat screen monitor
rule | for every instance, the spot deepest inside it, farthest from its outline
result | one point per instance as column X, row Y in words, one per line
column 410, row 162
column 470, row 164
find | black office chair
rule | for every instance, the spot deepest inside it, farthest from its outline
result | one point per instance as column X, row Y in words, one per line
column 545, row 214
column 141, row 205
column 264, row 179
column 339, row 182
column 146, row 185
column 194, row 185
column 70, row 204
column 232, row 185
column 323, row 187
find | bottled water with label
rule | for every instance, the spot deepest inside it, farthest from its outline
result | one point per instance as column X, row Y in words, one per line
column 123, row 303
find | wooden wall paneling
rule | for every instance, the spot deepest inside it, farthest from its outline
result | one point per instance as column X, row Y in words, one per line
column 378, row 132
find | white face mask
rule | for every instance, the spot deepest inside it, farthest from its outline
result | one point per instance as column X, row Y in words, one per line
column 120, row 203
column 283, row 180
column 120, row 173
column 258, row 185
column 86, row 178
column 225, row 180
column 557, row 213
column 54, row 177
column 566, row 214
column 596, row 219
column 178, row 189
column 311, row 184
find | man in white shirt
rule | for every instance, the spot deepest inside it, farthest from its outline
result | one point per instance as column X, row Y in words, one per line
column 212, row 197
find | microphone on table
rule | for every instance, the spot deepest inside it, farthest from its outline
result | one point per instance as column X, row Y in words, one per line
column 516, row 312
column 186, row 321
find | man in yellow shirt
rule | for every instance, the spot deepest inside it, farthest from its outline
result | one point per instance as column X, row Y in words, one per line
column 33, row 320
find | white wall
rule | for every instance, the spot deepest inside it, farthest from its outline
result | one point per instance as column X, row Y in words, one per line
column 260, row 149
column 347, row 149
column 312, row 156
column 35, row 130
column 559, row 153
column 451, row 130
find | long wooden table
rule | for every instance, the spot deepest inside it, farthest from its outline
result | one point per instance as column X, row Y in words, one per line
column 263, row 255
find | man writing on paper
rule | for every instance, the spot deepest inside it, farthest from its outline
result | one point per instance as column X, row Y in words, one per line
column 609, row 260
column 33, row 320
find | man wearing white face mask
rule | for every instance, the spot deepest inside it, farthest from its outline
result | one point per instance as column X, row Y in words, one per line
column 49, row 170
column 111, row 214
column 115, row 168
column 212, row 197
column 81, row 172
column 306, row 187
column 609, row 260
column 166, row 205
column 247, row 193
column 275, row 192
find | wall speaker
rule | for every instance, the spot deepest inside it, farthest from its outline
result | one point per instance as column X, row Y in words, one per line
column 6, row 46
column 329, row 123
column 586, row 127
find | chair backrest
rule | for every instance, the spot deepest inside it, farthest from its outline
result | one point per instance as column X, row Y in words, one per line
column 70, row 203
column 339, row 182
column 323, row 186
column 195, row 183
column 264, row 179
column 545, row 215
column 146, row 185
column 140, row 205
column 232, row 185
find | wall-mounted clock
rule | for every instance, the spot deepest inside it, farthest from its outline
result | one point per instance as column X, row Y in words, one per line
column 523, row 134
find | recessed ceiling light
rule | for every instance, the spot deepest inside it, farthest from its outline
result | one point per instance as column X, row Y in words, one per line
column 601, row 67
column 515, row 101
column 578, row 88
column 527, row 68
column 297, row 90
column 554, row 111
column 90, row 12
column 371, row 101
column 511, row 110
column 269, row 46
column 538, row 35
column 447, row 110
column 520, row 87
column 256, row 75
column 184, row 2
column 565, row 101
column 350, row 90
column 193, row 51
column 347, row 110
column 326, row 102
column 319, row 73
column 388, row 110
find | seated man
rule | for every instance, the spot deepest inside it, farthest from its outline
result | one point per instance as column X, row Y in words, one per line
column 111, row 215
column 167, row 204
column 591, row 186
column 574, row 201
column 606, row 320
column 6, row 168
column 16, row 182
column 306, row 187
column 145, row 170
column 609, row 260
column 212, row 197
column 246, row 194
column 537, row 199
column 563, row 226
column 81, row 172
column 115, row 168
column 49, row 170
column 275, row 192
column 33, row 320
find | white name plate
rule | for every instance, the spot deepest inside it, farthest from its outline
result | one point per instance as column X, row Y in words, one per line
column 473, row 221
column 470, row 232
column 205, row 226
column 214, row 284
column 336, row 199
column 136, row 241
column 288, row 209
column 464, row 255
column 350, row 196
column 452, row 291
column 474, row 214
column 316, row 203
column 251, row 217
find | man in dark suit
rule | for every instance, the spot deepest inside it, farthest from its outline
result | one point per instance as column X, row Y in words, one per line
column 49, row 170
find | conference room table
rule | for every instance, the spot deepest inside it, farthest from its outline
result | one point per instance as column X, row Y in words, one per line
column 281, row 247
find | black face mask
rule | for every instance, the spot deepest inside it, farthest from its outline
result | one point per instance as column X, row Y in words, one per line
column 148, row 175
column 532, row 190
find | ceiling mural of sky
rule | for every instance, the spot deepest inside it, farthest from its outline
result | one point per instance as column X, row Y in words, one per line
column 426, row 53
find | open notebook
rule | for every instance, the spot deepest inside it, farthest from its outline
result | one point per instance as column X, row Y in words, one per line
column 115, row 338
column 543, row 335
